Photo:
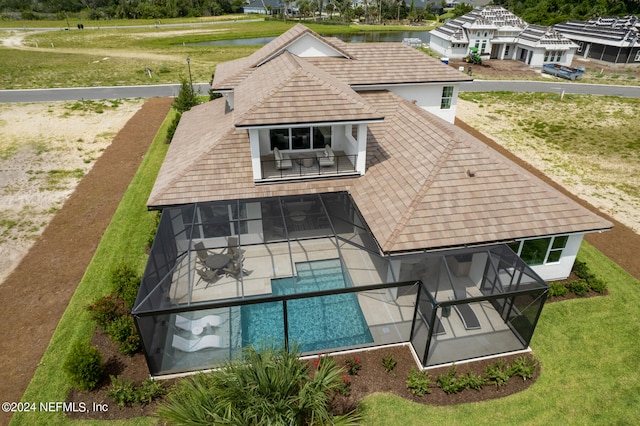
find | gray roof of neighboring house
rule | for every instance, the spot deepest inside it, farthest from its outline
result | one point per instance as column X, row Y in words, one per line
column 496, row 17
column 613, row 31
column 415, row 195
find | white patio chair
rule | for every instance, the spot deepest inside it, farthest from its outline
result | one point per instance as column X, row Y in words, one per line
column 200, row 323
column 210, row 341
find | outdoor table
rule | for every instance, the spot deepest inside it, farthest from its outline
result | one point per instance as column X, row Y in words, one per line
column 217, row 261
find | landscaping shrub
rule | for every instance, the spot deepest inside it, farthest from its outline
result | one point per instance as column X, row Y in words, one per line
column 154, row 229
column 449, row 383
column 271, row 387
column 557, row 289
column 497, row 374
column 352, row 365
column 473, row 381
column 123, row 331
column 106, row 310
column 418, row 382
column 126, row 282
column 579, row 287
column 582, row 270
column 598, row 285
column 123, row 392
column 171, row 130
column 187, row 97
column 523, row 367
column 389, row 363
column 84, row 366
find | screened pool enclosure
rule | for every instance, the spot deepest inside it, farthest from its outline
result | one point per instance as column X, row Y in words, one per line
column 307, row 269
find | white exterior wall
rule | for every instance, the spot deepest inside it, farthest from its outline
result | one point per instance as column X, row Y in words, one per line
column 561, row 270
column 428, row 97
column 308, row 46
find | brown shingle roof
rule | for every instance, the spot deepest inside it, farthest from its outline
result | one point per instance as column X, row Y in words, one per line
column 228, row 74
column 386, row 63
column 361, row 63
column 289, row 90
column 415, row 195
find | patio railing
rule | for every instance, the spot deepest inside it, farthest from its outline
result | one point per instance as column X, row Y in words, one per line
column 308, row 166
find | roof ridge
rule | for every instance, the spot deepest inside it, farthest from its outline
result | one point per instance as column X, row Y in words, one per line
column 417, row 199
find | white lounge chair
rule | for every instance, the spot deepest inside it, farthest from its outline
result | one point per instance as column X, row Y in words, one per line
column 210, row 341
column 201, row 323
column 282, row 160
column 326, row 157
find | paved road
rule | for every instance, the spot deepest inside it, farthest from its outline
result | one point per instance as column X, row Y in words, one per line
column 552, row 86
column 164, row 90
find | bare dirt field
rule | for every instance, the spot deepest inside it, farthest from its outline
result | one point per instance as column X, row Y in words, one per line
column 46, row 148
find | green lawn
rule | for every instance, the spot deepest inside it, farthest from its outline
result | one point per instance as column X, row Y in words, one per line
column 589, row 352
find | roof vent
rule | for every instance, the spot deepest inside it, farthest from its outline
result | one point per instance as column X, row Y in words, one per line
column 471, row 173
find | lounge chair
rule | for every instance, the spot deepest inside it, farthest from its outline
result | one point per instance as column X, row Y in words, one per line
column 206, row 321
column 208, row 275
column 210, row 341
column 469, row 319
column 326, row 157
column 282, row 160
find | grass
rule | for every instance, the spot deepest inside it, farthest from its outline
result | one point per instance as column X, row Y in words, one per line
column 121, row 56
column 589, row 354
column 124, row 240
column 602, row 143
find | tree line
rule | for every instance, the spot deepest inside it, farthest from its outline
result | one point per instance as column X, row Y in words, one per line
column 549, row 12
column 542, row 12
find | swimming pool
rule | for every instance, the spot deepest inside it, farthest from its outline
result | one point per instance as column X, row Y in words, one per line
column 317, row 323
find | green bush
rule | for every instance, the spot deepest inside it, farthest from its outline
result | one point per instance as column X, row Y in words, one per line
column 84, row 366
column 418, row 382
column 582, row 270
column 557, row 289
column 352, row 365
column 171, row 130
column 579, row 287
column 449, row 382
column 123, row 331
column 123, row 392
column 389, row 363
column 271, row 387
column 126, row 282
column 152, row 232
column 523, row 366
column 106, row 310
column 473, row 381
column 598, row 285
column 497, row 374
column 187, row 97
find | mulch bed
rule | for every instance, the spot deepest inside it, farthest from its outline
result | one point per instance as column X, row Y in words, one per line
column 38, row 291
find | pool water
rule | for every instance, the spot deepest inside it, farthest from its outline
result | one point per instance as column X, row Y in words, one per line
column 315, row 324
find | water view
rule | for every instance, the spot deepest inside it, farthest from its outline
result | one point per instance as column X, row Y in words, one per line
column 368, row 37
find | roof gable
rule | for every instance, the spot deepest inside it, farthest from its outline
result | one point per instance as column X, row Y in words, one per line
column 288, row 90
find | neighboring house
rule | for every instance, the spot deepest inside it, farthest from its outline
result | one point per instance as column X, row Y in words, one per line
column 263, row 7
column 615, row 40
column 499, row 34
column 327, row 199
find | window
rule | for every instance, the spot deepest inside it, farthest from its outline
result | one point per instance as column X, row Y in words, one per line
column 447, row 94
column 485, row 34
column 506, row 51
column 300, row 138
column 484, row 46
column 477, row 44
column 637, row 58
column 541, row 250
column 580, row 46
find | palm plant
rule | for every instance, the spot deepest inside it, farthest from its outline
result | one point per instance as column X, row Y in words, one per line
column 270, row 387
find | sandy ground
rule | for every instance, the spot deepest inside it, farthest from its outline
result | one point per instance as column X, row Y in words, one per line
column 45, row 149
column 570, row 170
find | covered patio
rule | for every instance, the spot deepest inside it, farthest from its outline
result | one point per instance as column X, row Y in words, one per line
column 307, row 269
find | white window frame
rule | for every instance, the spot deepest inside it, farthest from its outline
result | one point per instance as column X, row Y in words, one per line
column 447, row 97
column 637, row 58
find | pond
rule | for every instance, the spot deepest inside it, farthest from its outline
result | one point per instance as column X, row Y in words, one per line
column 365, row 37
